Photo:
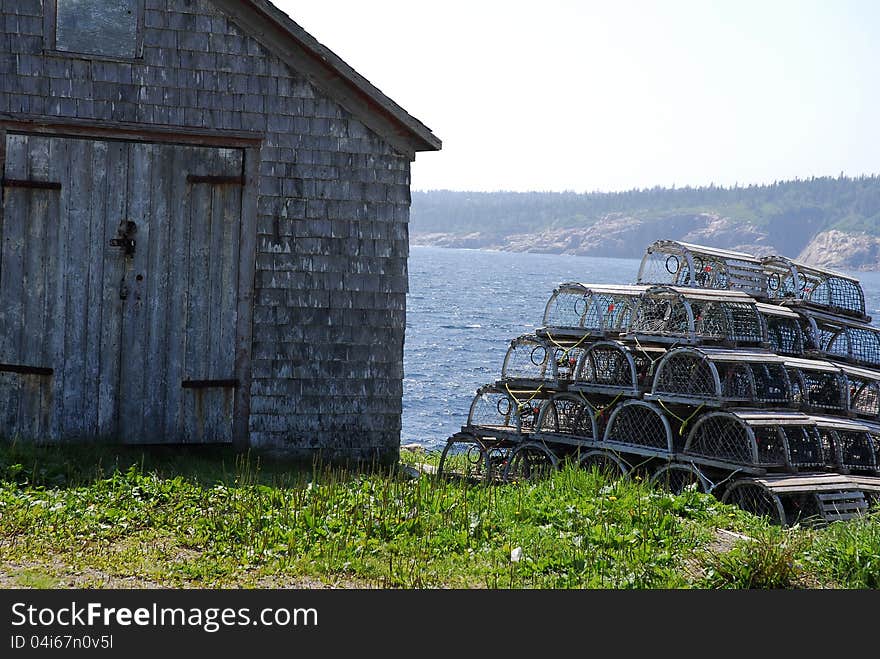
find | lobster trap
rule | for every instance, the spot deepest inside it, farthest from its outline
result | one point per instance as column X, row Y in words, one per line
column 568, row 418
column 864, row 391
column 576, row 310
column 849, row 445
column 470, row 457
column 692, row 316
column 530, row 461
column 800, row 498
column 721, row 378
column 499, row 410
column 797, row 284
column 533, row 361
column 783, row 329
column 674, row 263
column 755, row 441
column 616, row 368
column 834, row 337
column 641, row 428
column 780, row 354
column 818, row 386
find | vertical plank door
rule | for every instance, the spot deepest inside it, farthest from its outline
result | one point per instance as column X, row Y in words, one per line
column 118, row 290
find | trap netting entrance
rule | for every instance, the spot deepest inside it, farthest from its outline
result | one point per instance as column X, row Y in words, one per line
column 499, row 410
column 763, row 440
column 640, row 427
column 783, row 329
column 614, row 367
column 532, row 360
column 864, row 391
column 677, row 315
column 836, row 338
column 849, row 446
column 796, row 283
column 721, row 378
column 818, row 386
column 669, row 262
column 567, row 416
column 582, row 309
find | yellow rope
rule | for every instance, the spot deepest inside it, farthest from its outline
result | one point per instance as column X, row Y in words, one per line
column 587, row 401
column 684, row 422
column 565, row 350
column 605, row 407
column 521, row 405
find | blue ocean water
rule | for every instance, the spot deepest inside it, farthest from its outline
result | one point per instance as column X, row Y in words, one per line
column 465, row 306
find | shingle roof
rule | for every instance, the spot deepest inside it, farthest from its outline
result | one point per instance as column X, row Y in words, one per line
column 278, row 32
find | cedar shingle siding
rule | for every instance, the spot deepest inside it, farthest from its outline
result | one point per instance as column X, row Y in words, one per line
column 313, row 340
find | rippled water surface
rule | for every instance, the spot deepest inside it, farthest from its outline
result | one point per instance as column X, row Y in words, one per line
column 464, row 308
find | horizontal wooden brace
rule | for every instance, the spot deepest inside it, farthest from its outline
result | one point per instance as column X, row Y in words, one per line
column 49, row 126
column 216, row 180
column 33, row 185
column 209, row 384
column 25, row 370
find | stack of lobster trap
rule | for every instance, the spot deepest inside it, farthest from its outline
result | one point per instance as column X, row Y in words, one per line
column 754, row 379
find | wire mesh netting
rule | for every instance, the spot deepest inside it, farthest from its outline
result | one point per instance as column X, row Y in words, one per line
column 818, row 390
column 735, row 322
column 578, row 307
column 818, row 385
column 864, row 396
column 725, row 437
column 838, row 339
column 673, row 263
column 737, row 382
column 788, row 280
column 530, row 461
column 685, row 373
column 497, row 409
column 609, row 366
column 721, row 438
column 771, row 382
column 804, row 446
column 567, row 414
column 770, row 445
column 755, row 499
column 666, row 315
column 856, row 451
column 689, row 373
column 640, row 425
column 677, row 478
column 785, row 335
column 860, row 345
column 534, row 359
column 608, row 463
column 474, row 458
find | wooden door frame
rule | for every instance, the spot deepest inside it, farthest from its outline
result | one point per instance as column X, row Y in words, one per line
column 250, row 144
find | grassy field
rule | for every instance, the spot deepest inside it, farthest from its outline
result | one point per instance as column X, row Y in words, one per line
column 126, row 518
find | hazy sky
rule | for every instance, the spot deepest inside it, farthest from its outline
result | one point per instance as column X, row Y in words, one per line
column 585, row 95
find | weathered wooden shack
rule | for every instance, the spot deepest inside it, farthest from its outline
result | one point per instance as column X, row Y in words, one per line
column 203, row 231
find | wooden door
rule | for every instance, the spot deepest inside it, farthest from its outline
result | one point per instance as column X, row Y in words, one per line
column 136, row 251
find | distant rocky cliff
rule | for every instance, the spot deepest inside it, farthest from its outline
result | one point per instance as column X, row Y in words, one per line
column 620, row 235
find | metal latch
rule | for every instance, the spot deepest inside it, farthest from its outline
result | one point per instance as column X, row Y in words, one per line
column 126, row 231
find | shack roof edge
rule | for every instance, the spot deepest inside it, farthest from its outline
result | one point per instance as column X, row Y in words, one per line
column 331, row 74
